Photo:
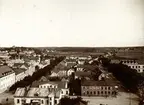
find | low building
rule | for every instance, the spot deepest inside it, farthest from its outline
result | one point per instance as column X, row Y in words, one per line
column 47, row 93
column 81, row 62
column 7, row 78
column 19, row 74
column 98, row 88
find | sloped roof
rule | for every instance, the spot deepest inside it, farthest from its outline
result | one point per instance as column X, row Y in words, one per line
column 98, row 83
column 5, row 69
column 60, row 84
column 82, row 74
column 18, row 71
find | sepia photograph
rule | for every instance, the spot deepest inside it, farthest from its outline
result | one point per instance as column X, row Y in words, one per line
column 71, row 52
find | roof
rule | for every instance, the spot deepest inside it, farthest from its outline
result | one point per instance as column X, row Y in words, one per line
column 140, row 62
column 82, row 74
column 60, row 67
column 32, row 92
column 17, row 64
column 60, row 84
column 5, row 69
column 122, row 58
column 18, row 71
column 98, row 83
column 70, row 60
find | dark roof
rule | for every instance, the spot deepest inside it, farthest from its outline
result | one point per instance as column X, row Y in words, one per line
column 70, row 60
column 122, row 58
column 17, row 64
column 82, row 74
column 18, row 71
column 98, row 83
column 5, row 69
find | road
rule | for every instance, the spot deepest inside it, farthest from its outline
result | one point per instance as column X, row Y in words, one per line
column 122, row 99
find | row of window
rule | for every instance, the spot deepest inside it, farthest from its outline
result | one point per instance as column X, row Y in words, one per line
column 128, row 61
column 136, row 66
column 98, row 93
column 48, row 86
column 93, row 87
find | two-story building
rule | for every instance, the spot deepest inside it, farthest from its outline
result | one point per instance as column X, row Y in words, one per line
column 98, row 88
column 7, row 78
column 48, row 93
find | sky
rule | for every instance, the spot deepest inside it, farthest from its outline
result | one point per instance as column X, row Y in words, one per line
column 79, row 23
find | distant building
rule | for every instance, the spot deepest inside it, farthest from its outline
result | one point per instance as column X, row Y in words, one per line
column 7, row 78
column 98, row 88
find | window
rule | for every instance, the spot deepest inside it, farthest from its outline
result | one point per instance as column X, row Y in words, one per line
column 61, row 92
column 83, row 87
column 55, row 101
column 102, row 88
column 136, row 66
column 91, row 93
column 50, row 86
column 94, row 92
column 50, row 98
column 66, row 92
column 105, row 92
column 98, row 92
column 108, row 88
column 105, row 88
column 50, row 103
column 18, row 101
column 42, row 101
column 101, row 92
column 47, row 101
column 87, row 92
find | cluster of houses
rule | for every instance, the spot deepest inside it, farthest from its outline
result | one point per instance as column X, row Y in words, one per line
column 16, row 69
column 47, row 92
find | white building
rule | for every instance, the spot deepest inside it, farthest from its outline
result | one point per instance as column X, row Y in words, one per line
column 48, row 93
column 19, row 74
column 7, row 78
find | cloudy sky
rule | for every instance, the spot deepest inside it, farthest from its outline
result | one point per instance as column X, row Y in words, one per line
column 89, row 23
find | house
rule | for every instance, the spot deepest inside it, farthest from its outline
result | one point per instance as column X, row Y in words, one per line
column 139, row 66
column 81, row 61
column 39, row 96
column 79, row 67
column 19, row 74
column 98, row 88
column 84, row 57
column 81, row 74
column 70, row 62
column 70, row 71
column 123, row 60
column 42, row 93
column 7, row 78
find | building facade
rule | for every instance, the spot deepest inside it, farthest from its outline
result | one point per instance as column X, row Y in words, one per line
column 7, row 78
column 98, row 88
